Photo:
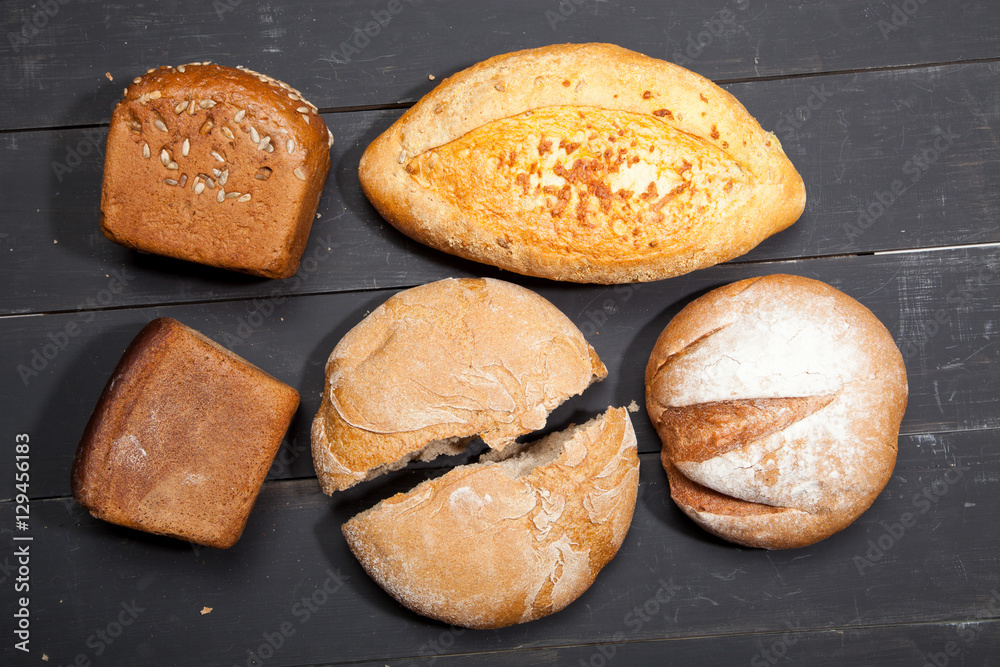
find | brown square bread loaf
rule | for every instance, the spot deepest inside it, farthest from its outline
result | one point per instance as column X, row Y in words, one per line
column 181, row 438
column 216, row 165
column 582, row 162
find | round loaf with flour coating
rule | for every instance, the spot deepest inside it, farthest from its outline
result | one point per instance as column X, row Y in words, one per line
column 778, row 401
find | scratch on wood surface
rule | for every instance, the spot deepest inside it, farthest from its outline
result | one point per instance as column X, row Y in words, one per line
column 368, row 60
column 951, row 365
column 886, row 283
column 842, row 167
column 702, row 597
column 961, row 566
column 776, row 571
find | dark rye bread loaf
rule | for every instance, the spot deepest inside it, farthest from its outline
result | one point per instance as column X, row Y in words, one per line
column 217, row 165
column 778, row 401
column 582, row 162
column 439, row 364
column 181, row 438
column 518, row 536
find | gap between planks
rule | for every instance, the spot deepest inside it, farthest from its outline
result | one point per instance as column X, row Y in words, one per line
column 402, row 286
column 433, row 465
column 390, row 106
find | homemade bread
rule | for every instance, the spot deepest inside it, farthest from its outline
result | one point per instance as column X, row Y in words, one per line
column 582, row 162
column 438, row 364
column 181, row 438
column 496, row 543
column 215, row 165
column 778, row 401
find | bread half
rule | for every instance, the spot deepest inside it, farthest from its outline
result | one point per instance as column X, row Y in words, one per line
column 438, row 364
column 582, row 162
column 506, row 541
column 778, row 401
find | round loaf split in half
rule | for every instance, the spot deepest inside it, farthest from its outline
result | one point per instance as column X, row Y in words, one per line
column 439, row 364
column 778, row 401
column 524, row 531
column 495, row 543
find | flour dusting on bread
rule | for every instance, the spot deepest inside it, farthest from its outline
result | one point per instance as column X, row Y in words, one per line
column 777, row 392
column 537, row 518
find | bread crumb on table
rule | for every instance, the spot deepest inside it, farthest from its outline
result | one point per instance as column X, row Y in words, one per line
column 206, row 610
column 633, row 407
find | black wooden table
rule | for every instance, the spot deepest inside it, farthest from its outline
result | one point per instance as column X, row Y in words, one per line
column 889, row 109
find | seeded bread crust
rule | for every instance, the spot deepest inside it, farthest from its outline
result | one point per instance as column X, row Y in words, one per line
column 438, row 364
column 778, row 401
column 216, row 165
column 582, row 162
column 491, row 544
column 181, row 438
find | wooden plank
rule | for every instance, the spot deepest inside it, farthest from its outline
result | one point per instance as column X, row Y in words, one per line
column 850, row 151
column 669, row 580
column 862, row 95
column 55, row 75
column 974, row 644
column 942, row 308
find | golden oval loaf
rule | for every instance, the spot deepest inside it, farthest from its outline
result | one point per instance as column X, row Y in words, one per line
column 438, row 364
column 497, row 543
column 583, row 162
column 778, row 401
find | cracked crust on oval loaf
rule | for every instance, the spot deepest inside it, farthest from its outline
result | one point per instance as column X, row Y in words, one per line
column 492, row 544
column 778, row 401
column 438, row 364
column 585, row 163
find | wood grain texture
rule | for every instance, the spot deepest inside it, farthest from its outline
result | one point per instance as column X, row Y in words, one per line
column 888, row 109
column 850, row 152
column 974, row 644
column 941, row 568
column 942, row 309
column 55, row 75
